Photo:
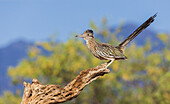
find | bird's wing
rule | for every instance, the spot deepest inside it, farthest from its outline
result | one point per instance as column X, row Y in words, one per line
column 108, row 51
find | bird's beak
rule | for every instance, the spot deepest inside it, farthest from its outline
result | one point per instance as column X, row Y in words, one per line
column 79, row 36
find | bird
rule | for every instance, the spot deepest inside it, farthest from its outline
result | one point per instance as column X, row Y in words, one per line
column 105, row 51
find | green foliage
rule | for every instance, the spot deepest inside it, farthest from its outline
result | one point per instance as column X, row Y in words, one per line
column 143, row 78
column 9, row 98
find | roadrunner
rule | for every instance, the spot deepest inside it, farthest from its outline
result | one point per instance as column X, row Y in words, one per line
column 104, row 51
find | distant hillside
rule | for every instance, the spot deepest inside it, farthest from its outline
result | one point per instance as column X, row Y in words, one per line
column 11, row 56
column 15, row 52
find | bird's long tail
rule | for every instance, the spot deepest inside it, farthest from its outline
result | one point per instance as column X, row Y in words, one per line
column 122, row 45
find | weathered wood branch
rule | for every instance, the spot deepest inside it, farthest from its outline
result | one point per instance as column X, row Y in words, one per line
column 37, row 93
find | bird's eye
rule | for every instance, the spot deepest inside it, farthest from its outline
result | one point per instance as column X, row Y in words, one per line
column 87, row 34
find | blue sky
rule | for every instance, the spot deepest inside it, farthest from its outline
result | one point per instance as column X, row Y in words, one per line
column 37, row 20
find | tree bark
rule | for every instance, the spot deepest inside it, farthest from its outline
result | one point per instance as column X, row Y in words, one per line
column 37, row 93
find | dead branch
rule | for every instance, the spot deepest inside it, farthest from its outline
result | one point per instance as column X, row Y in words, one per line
column 37, row 93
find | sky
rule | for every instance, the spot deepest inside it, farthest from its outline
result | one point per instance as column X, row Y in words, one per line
column 37, row 20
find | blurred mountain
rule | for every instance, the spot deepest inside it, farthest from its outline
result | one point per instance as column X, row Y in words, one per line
column 11, row 56
column 16, row 51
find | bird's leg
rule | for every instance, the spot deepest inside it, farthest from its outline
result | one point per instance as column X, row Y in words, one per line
column 106, row 63
column 109, row 62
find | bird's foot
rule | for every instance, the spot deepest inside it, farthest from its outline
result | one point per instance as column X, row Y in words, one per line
column 104, row 65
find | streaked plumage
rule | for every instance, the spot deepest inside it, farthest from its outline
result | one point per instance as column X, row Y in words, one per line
column 104, row 51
